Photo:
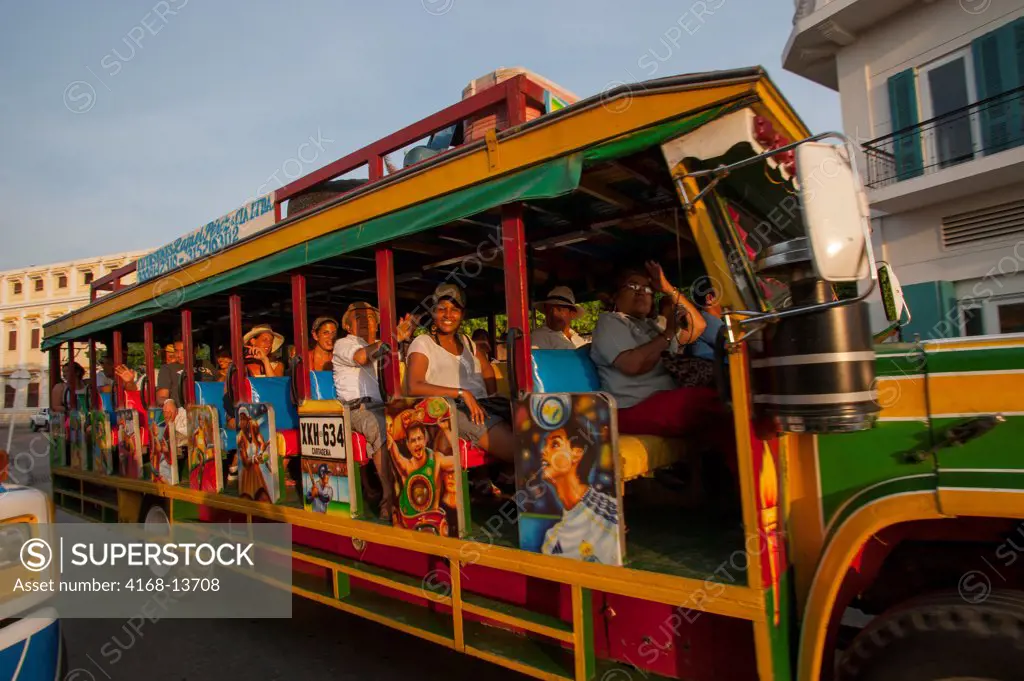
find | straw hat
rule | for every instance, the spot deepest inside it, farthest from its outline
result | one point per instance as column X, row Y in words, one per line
column 561, row 296
column 261, row 329
column 359, row 305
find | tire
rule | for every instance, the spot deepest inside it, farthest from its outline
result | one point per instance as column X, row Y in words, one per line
column 34, row 427
column 941, row 637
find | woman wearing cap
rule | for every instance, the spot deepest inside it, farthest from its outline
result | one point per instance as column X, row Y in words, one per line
column 260, row 343
column 445, row 363
column 325, row 331
column 559, row 308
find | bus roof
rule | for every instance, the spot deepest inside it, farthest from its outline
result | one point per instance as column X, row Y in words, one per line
column 540, row 159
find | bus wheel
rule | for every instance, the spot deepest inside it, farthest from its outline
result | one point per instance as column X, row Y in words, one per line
column 941, row 637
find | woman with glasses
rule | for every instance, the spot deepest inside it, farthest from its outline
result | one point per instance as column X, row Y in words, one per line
column 627, row 348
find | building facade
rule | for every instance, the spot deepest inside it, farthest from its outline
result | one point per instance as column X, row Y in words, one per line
column 932, row 93
column 29, row 298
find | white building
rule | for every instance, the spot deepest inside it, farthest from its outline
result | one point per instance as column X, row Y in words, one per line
column 947, row 77
column 29, row 298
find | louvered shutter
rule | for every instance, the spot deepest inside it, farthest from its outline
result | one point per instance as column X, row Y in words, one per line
column 903, row 107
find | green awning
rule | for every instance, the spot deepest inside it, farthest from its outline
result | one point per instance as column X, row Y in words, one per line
column 548, row 180
column 545, row 181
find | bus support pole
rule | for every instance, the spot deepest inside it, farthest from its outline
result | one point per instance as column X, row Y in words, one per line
column 237, row 354
column 388, row 318
column 517, row 305
column 92, row 394
column 186, row 344
column 72, row 378
column 300, row 331
column 55, row 375
column 147, row 338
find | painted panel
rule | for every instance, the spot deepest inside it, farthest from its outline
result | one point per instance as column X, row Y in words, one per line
column 163, row 449
column 129, row 445
column 58, row 439
column 258, row 475
column 101, row 441
column 569, row 478
column 329, row 475
column 204, row 467
column 428, row 482
column 79, row 443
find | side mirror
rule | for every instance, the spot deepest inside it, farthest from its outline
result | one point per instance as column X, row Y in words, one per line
column 834, row 211
column 892, row 293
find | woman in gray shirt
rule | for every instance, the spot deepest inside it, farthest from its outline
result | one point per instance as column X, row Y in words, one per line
column 627, row 348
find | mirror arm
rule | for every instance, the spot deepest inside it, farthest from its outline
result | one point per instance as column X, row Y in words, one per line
column 752, row 317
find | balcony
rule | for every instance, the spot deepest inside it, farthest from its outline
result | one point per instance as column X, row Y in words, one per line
column 967, row 139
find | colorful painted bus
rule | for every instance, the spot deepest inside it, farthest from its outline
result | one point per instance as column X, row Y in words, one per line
column 838, row 510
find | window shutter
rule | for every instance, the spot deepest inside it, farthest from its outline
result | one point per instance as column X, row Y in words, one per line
column 903, row 107
column 998, row 69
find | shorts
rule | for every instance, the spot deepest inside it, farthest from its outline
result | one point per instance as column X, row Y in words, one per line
column 496, row 410
column 368, row 420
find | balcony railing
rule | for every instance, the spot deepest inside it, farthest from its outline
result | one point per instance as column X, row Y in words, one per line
column 981, row 129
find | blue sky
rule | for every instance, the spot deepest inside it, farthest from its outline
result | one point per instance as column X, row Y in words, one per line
column 129, row 123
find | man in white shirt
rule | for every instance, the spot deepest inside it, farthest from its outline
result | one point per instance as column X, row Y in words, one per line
column 559, row 308
column 355, row 383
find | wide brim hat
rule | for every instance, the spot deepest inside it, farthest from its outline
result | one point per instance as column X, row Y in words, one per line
column 561, row 296
column 354, row 307
column 261, row 329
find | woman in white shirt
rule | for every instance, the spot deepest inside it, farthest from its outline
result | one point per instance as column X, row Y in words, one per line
column 446, row 363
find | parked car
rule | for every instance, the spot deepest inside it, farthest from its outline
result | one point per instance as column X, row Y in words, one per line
column 40, row 420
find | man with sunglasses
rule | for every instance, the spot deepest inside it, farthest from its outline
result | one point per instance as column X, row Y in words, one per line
column 559, row 308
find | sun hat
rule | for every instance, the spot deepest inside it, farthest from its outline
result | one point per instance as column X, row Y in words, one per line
column 320, row 321
column 452, row 292
column 261, row 329
column 560, row 296
column 358, row 305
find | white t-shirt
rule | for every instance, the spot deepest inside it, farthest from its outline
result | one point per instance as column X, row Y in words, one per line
column 353, row 381
column 546, row 338
column 448, row 370
column 101, row 379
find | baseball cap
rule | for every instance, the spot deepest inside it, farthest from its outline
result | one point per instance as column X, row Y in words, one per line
column 451, row 291
column 320, row 321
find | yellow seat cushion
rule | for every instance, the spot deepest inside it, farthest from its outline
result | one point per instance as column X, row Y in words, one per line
column 642, row 454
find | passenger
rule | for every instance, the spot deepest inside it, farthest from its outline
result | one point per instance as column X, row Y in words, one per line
column 60, row 399
column 711, row 311
column 445, row 363
column 223, row 358
column 105, row 374
column 482, row 340
column 325, row 332
column 559, row 308
column 260, row 345
column 355, row 383
column 168, row 389
column 627, row 349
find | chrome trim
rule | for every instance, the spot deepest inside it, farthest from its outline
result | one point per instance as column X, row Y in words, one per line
column 815, row 358
column 826, row 398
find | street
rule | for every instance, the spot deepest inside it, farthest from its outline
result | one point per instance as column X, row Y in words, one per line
column 318, row 640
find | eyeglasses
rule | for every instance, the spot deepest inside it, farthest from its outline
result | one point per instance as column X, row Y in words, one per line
column 639, row 288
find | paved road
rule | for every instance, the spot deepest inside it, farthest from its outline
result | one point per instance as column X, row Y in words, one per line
column 319, row 642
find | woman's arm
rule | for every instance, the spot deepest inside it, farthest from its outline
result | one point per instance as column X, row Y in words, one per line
column 643, row 358
column 487, row 371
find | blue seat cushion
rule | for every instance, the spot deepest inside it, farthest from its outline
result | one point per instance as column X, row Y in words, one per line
column 564, row 371
column 276, row 390
column 321, row 384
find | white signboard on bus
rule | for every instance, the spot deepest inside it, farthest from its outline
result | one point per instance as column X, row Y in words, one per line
column 253, row 217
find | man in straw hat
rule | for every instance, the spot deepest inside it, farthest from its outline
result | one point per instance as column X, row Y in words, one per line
column 559, row 308
column 355, row 383
column 260, row 343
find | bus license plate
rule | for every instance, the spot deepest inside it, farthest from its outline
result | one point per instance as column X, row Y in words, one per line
column 323, row 436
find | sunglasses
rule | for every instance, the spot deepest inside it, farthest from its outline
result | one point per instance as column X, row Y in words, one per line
column 639, row 288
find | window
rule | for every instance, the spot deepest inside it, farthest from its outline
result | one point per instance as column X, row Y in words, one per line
column 9, row 393
column 1011, row 317
column 35, row 339
column 37, row 284
column 973, row 319
column 947, row 86
column 12, row 339
column 33, row 395
column 87, row 278
column 62, row 281
column 17, row 288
